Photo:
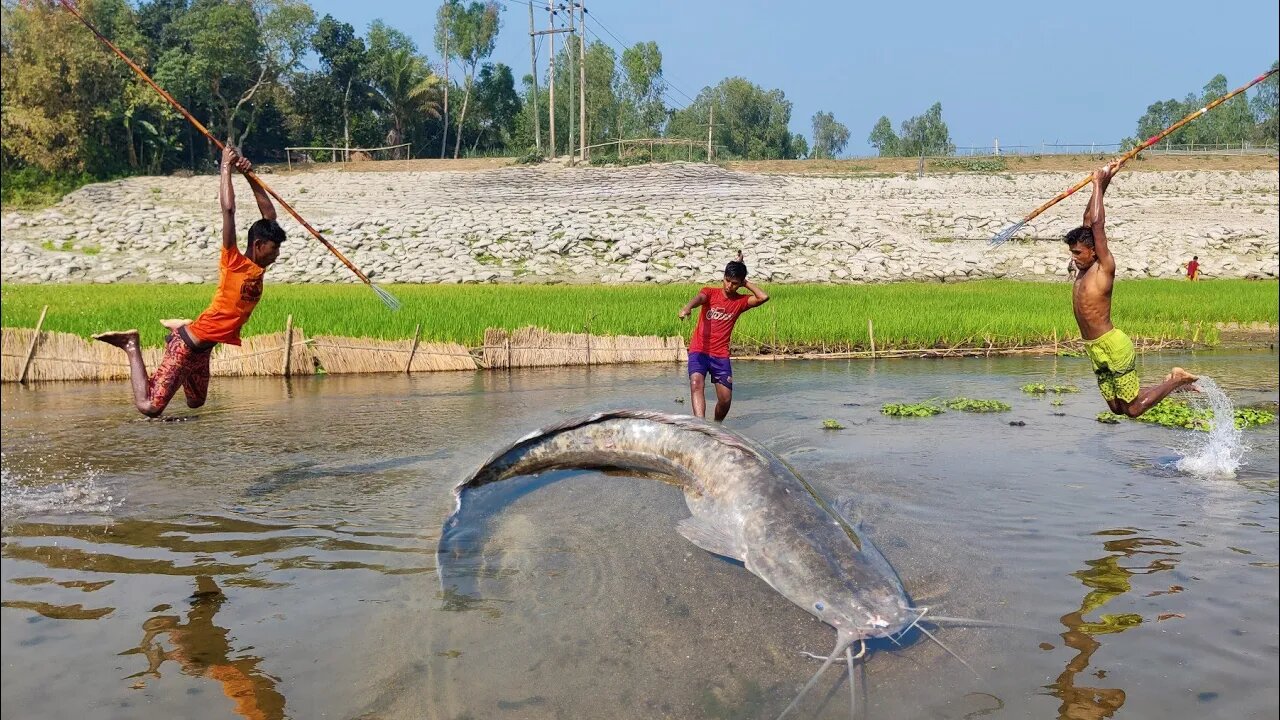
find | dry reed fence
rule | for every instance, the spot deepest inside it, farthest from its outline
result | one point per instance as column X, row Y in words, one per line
column 341, row 355
column 535, row 347
column 64, row 356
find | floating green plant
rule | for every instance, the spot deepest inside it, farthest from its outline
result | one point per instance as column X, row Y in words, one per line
column 830, row 424
column 1041, row 389
column 1176, row 413
column 978, row 406
column 1179, row 414
column 924, row 409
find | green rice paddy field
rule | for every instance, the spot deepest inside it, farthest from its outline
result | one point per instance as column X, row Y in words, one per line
column 906, row 315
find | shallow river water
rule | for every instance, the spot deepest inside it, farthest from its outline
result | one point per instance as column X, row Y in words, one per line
column 272, row 555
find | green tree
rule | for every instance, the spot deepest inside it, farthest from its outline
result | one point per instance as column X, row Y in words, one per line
column 925, row 134
column 343, row 56
column 799, row 147
column 750, row 122
column 233, row 51
column 407, row 92
column 639, row 90
column 883, row 138
column 447, row 41
column 1266, row 108
column 497, row 107
column 66, row 99
column 603, row 121
column 468, row 34
column 829, row 136
column 1232, row 122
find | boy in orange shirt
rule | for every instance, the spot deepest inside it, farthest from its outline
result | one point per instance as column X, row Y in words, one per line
column 187, row 349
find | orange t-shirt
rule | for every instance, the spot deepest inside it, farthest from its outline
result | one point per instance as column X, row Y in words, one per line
column 239, row 289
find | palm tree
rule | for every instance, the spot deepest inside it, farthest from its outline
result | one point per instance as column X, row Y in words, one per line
column 405, row 87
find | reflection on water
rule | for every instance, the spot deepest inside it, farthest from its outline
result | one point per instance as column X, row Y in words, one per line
column 201, row 649
column 1107, row 580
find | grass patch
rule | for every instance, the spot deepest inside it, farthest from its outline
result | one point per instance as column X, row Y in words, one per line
column 907, row 316
column 924, row 409
column 974, row 164
column 964, row 404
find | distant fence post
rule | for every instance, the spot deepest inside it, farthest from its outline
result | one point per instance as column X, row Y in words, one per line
column 31, row 351
column 871, row 333
column 288, row 346
column 417, row 330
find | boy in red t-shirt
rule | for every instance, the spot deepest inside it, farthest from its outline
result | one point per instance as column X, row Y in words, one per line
column 709, row 345
column 187, row 349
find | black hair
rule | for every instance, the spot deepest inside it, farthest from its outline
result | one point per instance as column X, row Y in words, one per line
column 266, row 230
column 1195, row 257
column 1082, row 235
column 736, row 270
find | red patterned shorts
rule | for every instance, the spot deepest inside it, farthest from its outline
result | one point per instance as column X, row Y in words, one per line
column 183, row 366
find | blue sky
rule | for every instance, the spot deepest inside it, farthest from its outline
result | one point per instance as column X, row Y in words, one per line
column 1024, row 72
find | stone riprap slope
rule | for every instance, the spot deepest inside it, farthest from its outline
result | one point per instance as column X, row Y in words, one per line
column 667, row 223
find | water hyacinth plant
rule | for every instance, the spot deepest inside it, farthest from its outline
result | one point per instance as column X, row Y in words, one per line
column 924, row 409
column 1180, row 414
column 976, row 406
column 1041, row 389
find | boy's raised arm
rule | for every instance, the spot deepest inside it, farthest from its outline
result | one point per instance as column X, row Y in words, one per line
column 227, row 197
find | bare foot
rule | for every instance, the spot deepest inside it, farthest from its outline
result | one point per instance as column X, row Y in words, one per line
column 1183, row 378
column 175, row 323
column 122, row 339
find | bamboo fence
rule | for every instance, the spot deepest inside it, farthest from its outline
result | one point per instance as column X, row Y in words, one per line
column 39, row 355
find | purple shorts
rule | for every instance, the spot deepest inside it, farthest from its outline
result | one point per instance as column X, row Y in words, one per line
column 721, row 371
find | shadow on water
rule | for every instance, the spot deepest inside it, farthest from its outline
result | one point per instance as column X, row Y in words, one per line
column 1107, row 579
column 465, row 559
column 283, row 479
column 203, row 649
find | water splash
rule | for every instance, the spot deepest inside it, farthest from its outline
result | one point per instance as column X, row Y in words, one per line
column 65, row 492
column 1218, row 452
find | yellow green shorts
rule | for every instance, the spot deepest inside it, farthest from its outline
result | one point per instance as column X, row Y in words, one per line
column 1113, row 362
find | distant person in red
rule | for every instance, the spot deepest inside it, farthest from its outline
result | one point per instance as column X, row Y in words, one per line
column 709, row 345
column 1193, row 268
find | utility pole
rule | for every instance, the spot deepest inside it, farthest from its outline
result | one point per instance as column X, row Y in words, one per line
column 711, row 120
column 551, row 72
column 533, row 64
column 572, row 153
column 551, row 32
column 582, row 83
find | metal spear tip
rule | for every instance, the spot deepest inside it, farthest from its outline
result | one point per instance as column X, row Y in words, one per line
column 1007, row 234
column 387, row 298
